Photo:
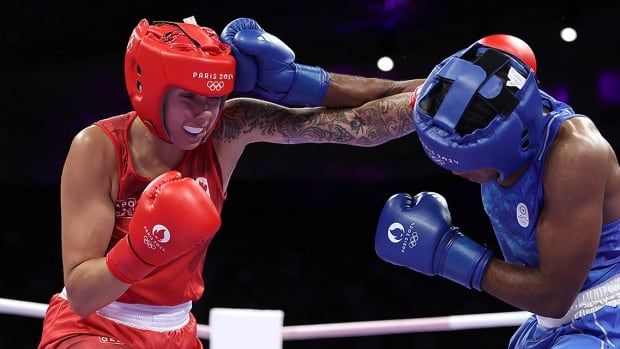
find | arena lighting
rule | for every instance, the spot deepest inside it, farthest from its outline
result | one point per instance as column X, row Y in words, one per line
column 568, row 34
column 608, row 85
column 385, row 63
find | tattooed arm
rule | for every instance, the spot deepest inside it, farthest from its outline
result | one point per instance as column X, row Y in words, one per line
column 246, row 120
column 370, row 124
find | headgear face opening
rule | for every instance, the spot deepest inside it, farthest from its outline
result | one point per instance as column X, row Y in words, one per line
column 477, row 79
column 167, row 54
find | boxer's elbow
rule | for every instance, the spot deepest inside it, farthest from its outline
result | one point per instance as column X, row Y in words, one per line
column 554, row 305
column 79, row 305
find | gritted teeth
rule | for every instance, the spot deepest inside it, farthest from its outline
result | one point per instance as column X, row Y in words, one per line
column 193, row 130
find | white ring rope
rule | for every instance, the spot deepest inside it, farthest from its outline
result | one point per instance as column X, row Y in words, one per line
column 23, row 308
column 342, row 329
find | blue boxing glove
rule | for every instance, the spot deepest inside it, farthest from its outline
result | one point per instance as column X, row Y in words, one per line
column 417, row 233
column 266, row 66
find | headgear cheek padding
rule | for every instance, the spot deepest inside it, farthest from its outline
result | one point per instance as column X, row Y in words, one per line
column 170, row 54
column 512, row 136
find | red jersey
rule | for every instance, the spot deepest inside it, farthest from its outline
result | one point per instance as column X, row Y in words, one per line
column 180, row 280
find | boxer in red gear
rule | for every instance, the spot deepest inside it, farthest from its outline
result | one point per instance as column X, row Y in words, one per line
column 130, row 181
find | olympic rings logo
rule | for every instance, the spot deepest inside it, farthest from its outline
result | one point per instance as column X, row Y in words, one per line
column 155, row 238
column 215, row 85
column 149, row 243
column 414, row 240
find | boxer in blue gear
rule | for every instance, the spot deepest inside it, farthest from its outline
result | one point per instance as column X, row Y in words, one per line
column 550, row 185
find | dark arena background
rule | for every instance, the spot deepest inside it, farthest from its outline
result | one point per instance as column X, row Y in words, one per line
column 298, row 225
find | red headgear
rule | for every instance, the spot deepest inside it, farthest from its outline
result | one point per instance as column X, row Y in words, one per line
column 513, row 46
column 168, row 54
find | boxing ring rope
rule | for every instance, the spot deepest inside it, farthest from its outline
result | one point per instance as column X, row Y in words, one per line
column 335, row 330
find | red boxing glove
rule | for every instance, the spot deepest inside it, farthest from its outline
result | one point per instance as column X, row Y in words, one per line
column 173, row 216
column 414, row 96
column 513, row 46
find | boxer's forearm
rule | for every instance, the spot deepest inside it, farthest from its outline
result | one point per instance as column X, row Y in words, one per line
column 352, row 91
column 90, row 286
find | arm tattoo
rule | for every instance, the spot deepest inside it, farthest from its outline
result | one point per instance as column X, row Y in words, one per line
column 382, row 120
column 371, row 124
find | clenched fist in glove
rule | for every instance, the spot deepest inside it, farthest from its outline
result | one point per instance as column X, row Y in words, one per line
column 173, row 216
column 417, row 233
column 266, row 65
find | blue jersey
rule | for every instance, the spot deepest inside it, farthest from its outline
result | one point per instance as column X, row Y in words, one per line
column 514, row 211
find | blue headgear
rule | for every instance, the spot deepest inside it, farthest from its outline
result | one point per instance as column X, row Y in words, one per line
column 509, row 140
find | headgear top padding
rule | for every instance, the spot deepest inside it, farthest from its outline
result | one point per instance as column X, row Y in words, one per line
column 474, row 76
column 168, row 54
column 513, row 46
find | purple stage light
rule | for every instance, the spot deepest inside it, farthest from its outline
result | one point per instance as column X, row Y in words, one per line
column 608, row 86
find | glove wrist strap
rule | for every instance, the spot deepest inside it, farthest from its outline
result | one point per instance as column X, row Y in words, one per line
column 464, row 261
column 309, row 86
column 124, row 264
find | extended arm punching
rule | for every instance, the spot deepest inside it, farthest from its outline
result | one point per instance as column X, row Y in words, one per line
column 266, row 66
